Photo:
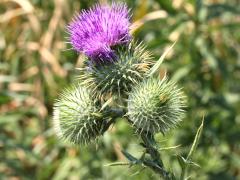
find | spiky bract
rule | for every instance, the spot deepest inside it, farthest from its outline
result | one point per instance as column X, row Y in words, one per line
column 76, row 116
column 155, row 106
column 119, row 76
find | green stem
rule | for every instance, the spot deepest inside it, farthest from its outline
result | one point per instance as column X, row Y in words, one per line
column 192, row 150
column 155, row 163
column 114, row 114
column 184, row 172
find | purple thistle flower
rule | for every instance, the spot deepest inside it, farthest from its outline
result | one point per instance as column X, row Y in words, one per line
column 96, row 31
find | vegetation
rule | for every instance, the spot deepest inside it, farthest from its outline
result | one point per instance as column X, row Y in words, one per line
column 35, row 66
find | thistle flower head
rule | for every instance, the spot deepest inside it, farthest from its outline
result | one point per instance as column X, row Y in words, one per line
column 76, row 116
column 155, row 106
column 118, row 77
column 96, row 31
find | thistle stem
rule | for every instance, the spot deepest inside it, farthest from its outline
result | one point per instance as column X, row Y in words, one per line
column 117, row 112
column 155, row 163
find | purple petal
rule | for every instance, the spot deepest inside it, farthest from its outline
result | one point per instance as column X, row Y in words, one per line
column 94, row 32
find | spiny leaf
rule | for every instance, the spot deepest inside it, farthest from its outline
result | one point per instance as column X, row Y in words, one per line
column 167, row 148
column 155, row 68
column 196, row 140
column 193, row 163
column 118, row 164
column 131, row 158
column 182, row 161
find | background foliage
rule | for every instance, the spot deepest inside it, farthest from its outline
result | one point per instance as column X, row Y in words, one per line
column 35, row 66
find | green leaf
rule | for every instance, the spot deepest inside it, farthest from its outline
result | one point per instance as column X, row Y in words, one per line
column 182, row 161
column 10, row 118
column 67, row 166
column 196, row 140
column 193, row 164
column 181, row 72
column 130, row 157
column 198, row 5
column 168, row 148
column 4, row 98
column 207, row 53
column 155, row 68
column 6, row 78
column 118, row 164
column 216, row 10
column 167, row 5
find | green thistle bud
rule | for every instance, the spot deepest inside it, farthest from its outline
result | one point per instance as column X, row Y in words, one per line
column 130, row 67
column 76, row 116
column 155, row 106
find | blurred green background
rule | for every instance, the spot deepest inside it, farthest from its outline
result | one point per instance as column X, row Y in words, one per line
column 35, row 65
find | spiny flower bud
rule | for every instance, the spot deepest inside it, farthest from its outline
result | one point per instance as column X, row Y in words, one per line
column 155, row 106
column 76, row 116
column 117, row 77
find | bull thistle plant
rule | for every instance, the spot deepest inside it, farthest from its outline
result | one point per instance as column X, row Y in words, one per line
column 118, row 79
